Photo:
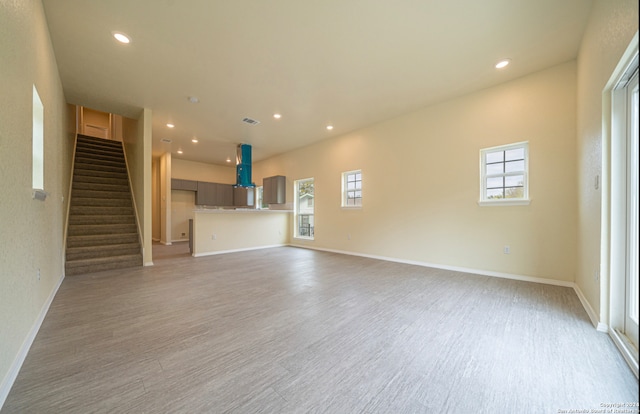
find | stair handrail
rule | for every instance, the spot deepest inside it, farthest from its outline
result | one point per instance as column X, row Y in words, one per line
column 133, row 199
column 66, row 222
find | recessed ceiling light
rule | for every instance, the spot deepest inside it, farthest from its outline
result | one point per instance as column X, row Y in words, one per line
column 170, row 125
column 503, row 63
column 193, row 99
column 121, row 37
column 277, row 116
column 195, row 141
column 329, row 127
column 179, row 151
column 228, row 159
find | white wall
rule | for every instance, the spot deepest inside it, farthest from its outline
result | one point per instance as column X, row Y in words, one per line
column 31, row 231
column 421, row 181
column 611, row 27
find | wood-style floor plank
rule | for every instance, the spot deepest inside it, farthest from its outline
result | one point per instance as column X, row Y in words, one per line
column 289, row 330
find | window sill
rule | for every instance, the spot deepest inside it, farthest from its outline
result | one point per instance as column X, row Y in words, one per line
column 303, row 238
column 351, row 207
column 487, row 203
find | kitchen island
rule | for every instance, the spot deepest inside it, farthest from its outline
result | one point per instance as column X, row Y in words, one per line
column 217, row 231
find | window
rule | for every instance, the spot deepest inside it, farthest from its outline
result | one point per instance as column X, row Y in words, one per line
column 352, row 189
column 303, row 209
column 260, row 204
column 624, row 224
column 504, row 175
column 633, row 243
column 38, row 142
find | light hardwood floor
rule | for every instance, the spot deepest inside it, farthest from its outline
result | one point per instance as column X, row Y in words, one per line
column 289, row 330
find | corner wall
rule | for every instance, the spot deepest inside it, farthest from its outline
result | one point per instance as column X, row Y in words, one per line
column 31, row 239
column 611, row 27
column 137, row 146
column 421, row 182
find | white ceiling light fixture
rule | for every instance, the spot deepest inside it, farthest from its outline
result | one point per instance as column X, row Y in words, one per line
column 179, row 151
column 193, row 99
column 170, row 126
column 329, row 127
column 503, row 63
column 121, row 37
column 228, row 159
column 194, row 140
column 277, row 116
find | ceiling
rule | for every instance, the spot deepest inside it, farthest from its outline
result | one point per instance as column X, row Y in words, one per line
column 346, row 63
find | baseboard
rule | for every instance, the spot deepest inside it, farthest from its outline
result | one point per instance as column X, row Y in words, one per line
column 179, row 240
column 446, row 267
column 11, row 376
column 237, row 250
column 593, row 316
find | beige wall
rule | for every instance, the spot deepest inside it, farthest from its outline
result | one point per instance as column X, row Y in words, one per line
column 611, row 27
column 198, row 171
column 218, row 231
column 137, row 147
column 31, row 235
column 182, row 206
column 421, row 181
column 165, row 198
column 155, row 198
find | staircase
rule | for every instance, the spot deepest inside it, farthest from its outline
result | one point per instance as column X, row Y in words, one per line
column 102, row 232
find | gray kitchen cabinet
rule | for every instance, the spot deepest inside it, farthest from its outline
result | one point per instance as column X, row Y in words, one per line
column 180, row 184
column 207, row 194
column 214, row 194
column 244, row 196
column 274, row 189
column 224, row 194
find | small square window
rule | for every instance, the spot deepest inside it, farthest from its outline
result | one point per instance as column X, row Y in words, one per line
column 504, row 174
column 352, row 189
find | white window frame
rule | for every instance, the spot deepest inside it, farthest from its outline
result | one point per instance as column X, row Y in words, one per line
column 486, row 201
column 616, row 203
column 38, row 142
column 259, row 199
column 345, row 190
column 296, row 209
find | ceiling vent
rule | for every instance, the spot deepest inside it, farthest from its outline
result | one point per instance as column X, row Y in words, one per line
column 166, row 140
column 250, row 121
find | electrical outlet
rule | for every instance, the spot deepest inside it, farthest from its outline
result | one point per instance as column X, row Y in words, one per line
column 38, row 276
column 214, row 237
column 348, row 236
column 596, row 275
column 184, row 234
column 507, row 249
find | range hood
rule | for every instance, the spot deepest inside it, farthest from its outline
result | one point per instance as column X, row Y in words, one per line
column 243, row 166
column 244, row 190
